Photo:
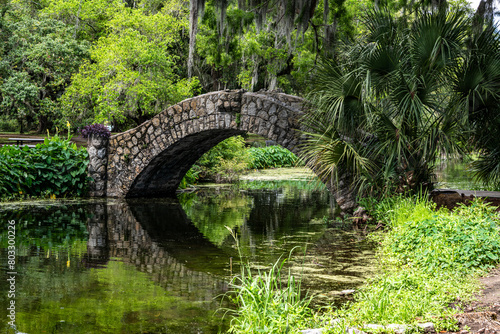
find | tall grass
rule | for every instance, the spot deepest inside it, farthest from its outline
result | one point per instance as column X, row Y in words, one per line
column 268, row 301
column 428, row 260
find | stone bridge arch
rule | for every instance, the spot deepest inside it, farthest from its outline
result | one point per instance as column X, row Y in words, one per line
column 151, row 159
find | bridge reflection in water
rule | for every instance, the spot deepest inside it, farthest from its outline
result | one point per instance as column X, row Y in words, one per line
column 158, row 239
column 191, row 256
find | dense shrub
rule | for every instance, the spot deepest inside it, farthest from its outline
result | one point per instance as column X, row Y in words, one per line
column 271, row 157
column 227, row 160
column 189, row 179
column 55, row 168
column 7, row 124
column 228, row 149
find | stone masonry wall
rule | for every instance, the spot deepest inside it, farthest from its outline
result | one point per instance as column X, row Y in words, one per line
column 151, row 159
column 97, row 148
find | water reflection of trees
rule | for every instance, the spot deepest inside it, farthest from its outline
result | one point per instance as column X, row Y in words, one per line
column 211, row 214
column 96, row 268
column 266, row 220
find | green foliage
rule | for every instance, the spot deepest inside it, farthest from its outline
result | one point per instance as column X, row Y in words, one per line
column 132, row 72
column 67, row 227
column 225, row 161
column 8, row 124
column 212, row 214
column 409, row 296
column 55, row 168
column 37, row 60
column 189, row 179
column 399, row 96
column 467, row 238
column 61, row 280
column 258, row 45
column 113, row 293
column 267, row 304
column 428, row 259
column 308, row 185
column 271, row 157
column 88, row 17
column 221, row 54
column 478, row 93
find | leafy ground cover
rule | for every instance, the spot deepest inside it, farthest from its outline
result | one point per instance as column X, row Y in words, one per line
column 55, row 168
column 271, row 157
column 429, row 259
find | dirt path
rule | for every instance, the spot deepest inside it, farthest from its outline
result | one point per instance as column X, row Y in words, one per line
column 483, row 315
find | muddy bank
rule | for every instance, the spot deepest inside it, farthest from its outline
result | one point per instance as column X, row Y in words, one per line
column 450, row 198
column 483, row 315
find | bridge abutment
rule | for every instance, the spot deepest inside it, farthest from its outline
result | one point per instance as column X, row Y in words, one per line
column 97, row 148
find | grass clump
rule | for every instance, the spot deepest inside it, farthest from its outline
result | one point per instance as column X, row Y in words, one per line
column 429, row 259
column 269, row 301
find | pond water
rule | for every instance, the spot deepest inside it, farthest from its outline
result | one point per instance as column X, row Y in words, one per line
column 456, row 174
column 162, row 265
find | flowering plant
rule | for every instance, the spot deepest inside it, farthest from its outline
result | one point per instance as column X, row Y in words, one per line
column 96, row 129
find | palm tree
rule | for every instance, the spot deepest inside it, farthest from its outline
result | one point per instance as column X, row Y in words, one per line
column 477, row 87
column 386, row 106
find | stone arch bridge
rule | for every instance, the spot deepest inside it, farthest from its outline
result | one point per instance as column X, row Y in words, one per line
column 151, row 159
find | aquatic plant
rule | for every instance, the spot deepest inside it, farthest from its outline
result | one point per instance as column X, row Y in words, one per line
column 54, row 168
column 268, row 301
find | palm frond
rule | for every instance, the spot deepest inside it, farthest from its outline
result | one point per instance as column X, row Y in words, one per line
column 486, row 168
column 332, row 155
column 337, row 97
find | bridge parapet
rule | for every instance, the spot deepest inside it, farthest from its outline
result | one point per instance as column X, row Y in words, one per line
column 292, row 101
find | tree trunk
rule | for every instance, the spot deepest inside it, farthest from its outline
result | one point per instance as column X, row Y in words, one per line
column 193, row 27
column 43, row 124
column 77, row 23
column 484, row 13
